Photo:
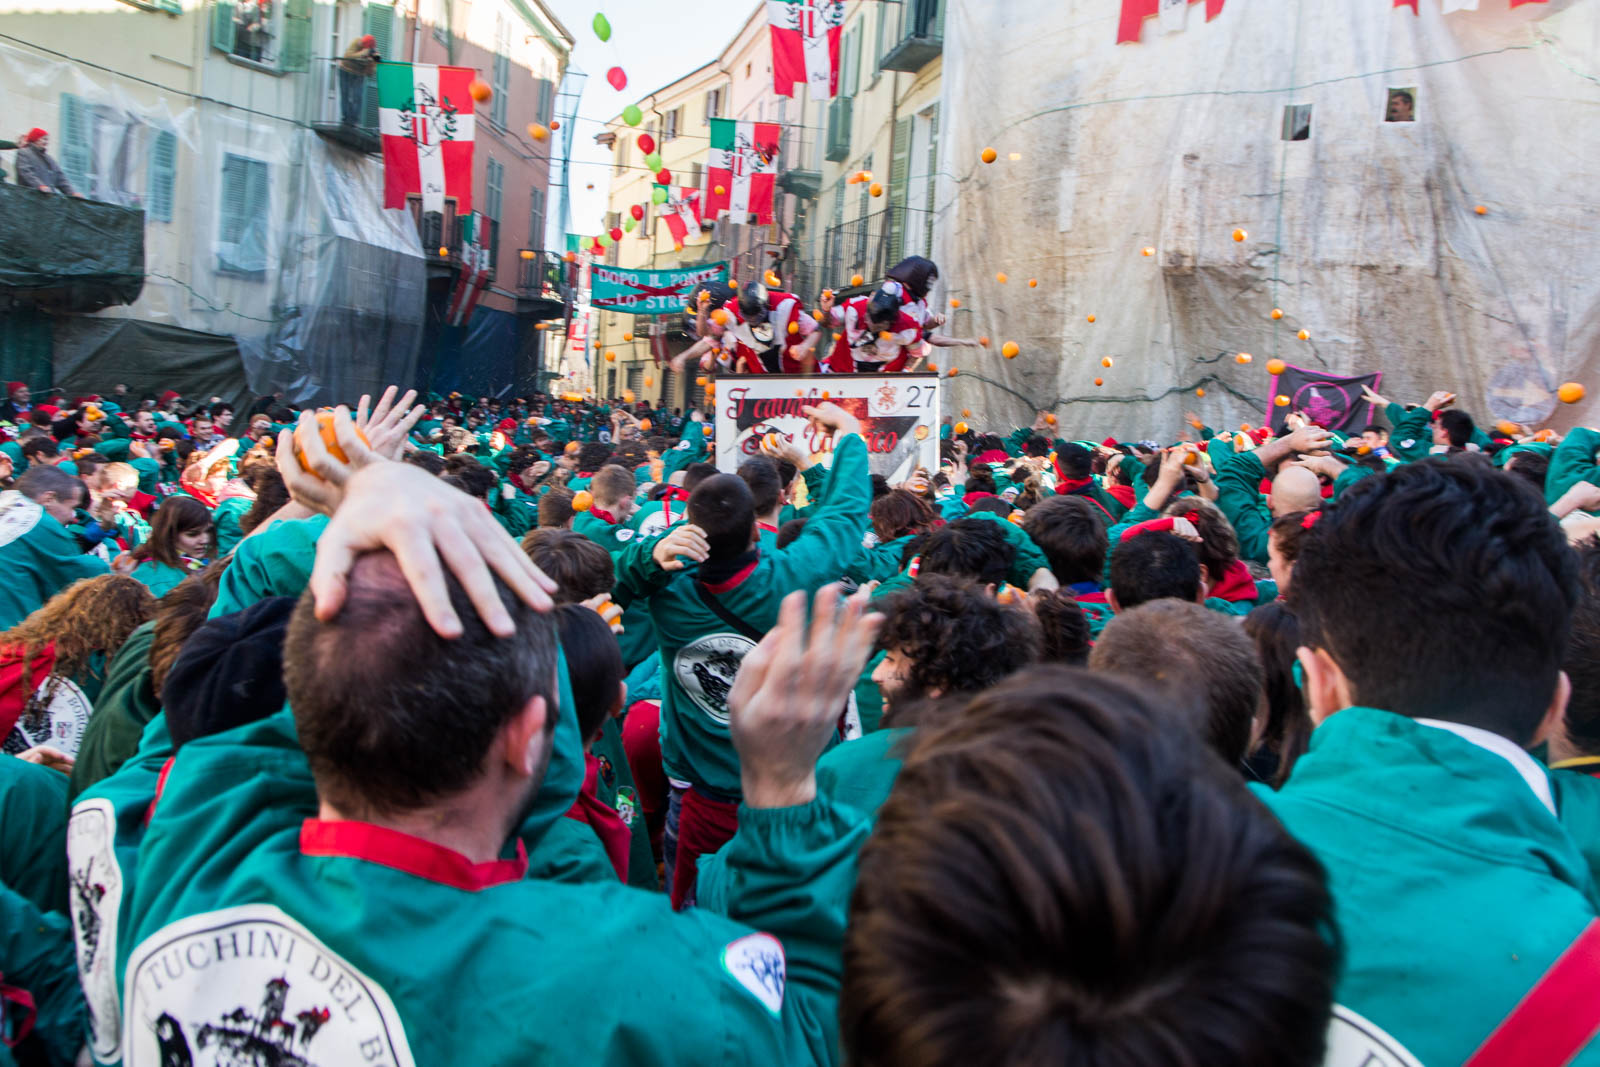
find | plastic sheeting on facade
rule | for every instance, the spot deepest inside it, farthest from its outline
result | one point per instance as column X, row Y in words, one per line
column 94, row 353
column 1366, row 234
column 478, row 359
column 256, row 229
column 71, row 254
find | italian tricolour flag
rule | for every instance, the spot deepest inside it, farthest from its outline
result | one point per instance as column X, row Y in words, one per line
column 742, row 169
column 681, row 212
column 427, row 123
column 805, row 45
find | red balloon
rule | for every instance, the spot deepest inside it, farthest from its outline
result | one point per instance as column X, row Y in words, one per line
column 647, row 144
column 616, row 233
column 663, row 176
column 618, row 80
column 637, row 211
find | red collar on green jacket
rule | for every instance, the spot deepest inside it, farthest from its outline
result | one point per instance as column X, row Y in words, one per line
column 735, row 580
column 412, row 855
column 603, row 516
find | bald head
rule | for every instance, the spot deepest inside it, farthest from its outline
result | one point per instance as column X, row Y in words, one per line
column 1295, row 489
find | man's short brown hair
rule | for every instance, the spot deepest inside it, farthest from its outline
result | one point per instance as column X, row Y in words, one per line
column 555, row 509
column 580, row 568
column 1204, row 659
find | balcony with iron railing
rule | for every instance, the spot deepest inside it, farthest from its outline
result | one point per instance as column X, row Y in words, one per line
column 867, row 246
column 799, row 168
column 543, row 279
column 915, row 30
column 345, row 107
column 840, row 114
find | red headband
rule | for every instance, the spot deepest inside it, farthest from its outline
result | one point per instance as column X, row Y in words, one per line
column 1311, row 519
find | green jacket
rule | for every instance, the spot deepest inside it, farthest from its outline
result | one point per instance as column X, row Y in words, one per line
column 226, row 515
column 877, row 563
column 1239, row 497
column 1455, row 887
column 160, row 577
column 36, row 955
column 38, row 557
column 1411, row 432
column 33, row 809
column 1577, row 793
column 1572, row 462
column 229, row 857
column 860, row 773
column 701, row 650
column 126, row 705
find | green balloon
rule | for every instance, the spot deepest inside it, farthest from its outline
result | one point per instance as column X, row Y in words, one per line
column 629, row 223
column 602, row 27
column 653, row 161
column 604, row 240
column 632, row 115
column 658, row 195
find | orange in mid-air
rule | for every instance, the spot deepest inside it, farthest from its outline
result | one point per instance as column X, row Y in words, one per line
column 1570, row 393
column 1275, row 366
column 1099, row 381
column 480, row 90
column 988, row 155
column 582, row 500
column 1010, row 349
column 1001, row 278
column 1105, row 361
column 1243, row 357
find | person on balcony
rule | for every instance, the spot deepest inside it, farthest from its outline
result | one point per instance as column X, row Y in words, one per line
column 359, row 63
column 36, row 168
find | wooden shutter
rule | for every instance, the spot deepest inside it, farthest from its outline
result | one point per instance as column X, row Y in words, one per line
column 77, row 152
column 502, row 70
column 933, row 174
column 222, row 27
column 242, row 224
column 378, row 20
column 536, row 218
column 295, row 53
column 899, row 185
column 163, row 180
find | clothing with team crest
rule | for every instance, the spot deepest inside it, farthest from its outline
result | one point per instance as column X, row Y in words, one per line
column 38, row 557
column 38, row 707
column 258, row 930
column 701, row 650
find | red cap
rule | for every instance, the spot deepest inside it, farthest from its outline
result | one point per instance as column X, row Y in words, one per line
column 35, row 134
column 12, row 387
column 171, row 394
column 1110, row 442
column 369, row 41
column 49, row 409
column 506, row 425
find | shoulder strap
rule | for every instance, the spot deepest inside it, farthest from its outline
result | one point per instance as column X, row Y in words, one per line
column 1556, row 1018
column 721, row 611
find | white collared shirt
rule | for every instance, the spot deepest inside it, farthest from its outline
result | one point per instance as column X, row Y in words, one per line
column 1537, row 778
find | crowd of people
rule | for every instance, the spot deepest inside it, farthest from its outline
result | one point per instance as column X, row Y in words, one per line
column 511, row 730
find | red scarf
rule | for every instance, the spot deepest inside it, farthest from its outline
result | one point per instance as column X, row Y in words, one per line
column 614, row 835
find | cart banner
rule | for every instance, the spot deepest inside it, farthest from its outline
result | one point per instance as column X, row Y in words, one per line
column 899, row 416
column 649, row 292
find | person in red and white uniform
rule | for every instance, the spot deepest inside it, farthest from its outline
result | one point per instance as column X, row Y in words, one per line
column 879, row 334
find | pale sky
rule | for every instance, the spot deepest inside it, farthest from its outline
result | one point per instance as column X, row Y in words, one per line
column 654, row 43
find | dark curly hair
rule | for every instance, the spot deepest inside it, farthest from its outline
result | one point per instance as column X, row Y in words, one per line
column 958, row 638
column 1063, row 628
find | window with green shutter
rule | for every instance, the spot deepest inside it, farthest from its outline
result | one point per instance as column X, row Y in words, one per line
column 163, row 181
column 76, row 149
column 494, row 174
column 899, row 183
column 933, row 174
column 294, row 54
column 242, row 221
column 222, row 27
column 536, row 218
column 377, row 20
column 502, row 70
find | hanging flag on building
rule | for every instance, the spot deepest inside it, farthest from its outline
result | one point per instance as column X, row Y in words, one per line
column 649, row 292
column 427, row 122
column 743, row 165
column 805, row 45
column 681, row 210
column 1134, row 12
column 476, row 263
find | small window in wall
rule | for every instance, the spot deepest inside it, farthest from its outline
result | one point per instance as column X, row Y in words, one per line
column 1402, row 105
column 1297, row 122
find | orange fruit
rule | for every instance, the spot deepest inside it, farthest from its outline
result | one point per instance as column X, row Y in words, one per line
column 954, row 302
column 1277, row 313
column 794, row 327
column 627, row 337
column 1304, row 335
column 644, row 424
column 952, row 372
column 1243, row 357
column 1281, row 400
column 1199, row 392
column 555, row 124
column 1239, row 235
column 1106, row 361
column 1149, row 250
column 772, row 279
column 961, row 428
column 966, row 413
column 1506, row 427
column 920, row 433
column 1274, row 366
column 933, row 368
column 1570, row 393
column 875, row 189
column 527, row 253
column 443, row 251
column 572, row 447
column 479, row 90
column 1010, row 349
column 1190, row 458
column 1033, row 283
column 856, row 279
column 330, row 441
column 1090, row 318
column 701, row 381
column 885, row 335
column 817, row 315
column 706, row 429
column 649, row 381
column 988, row 155
column 720, row 190
column 984, row 341
column 824, row 394
column 720, row 317
column 1001, row 277
column 582, row 500
column 1481, row 209
column 1049, row 419
column 611, row 357
column 1099, row 381
column 538, row 132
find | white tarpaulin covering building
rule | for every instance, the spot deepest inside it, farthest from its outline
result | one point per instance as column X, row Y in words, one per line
column 1365, row 232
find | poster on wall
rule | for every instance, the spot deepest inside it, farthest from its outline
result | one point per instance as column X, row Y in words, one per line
column 899, row 416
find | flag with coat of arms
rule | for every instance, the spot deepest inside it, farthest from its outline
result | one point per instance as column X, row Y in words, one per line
column 476, row 264
column 742, row 168
column 681, row 210
column 805, row 45
column 427, row 123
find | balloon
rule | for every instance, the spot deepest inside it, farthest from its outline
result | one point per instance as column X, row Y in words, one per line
column 663, row 176
column 653, row 161
column 616, row 233
column 632, row 115
column 604, row 240
column 602, row 27
column 618, row 79
column 647, row 144
column 629, row 223
column 637, row 211
column 658, row 195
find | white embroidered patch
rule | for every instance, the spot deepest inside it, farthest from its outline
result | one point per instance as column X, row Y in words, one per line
column 95, row 898
column 756, row 962
column 624, row 534
column 249, row 985
column 1408, row 443
column 18, row 515
column 1357, row 1042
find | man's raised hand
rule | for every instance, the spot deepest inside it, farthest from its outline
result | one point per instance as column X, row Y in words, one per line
column 679, row 546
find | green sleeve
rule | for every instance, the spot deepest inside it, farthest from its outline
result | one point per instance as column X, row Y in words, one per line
column 1219, row 450
column 1017, row 439
column 1350, row 476
column 789, row 872
column 33, row 809
column 569, row 852
column 1239, row 497
column 1409, row 426
column 833, row 532
column 275, row 562
column 815, row 477
column 637, row 574
column 36, row 955
column 1027, row 558
column 1572, row 462
column 226, row 516
column 953, row 507
column 112, row 427
column 876, row 564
